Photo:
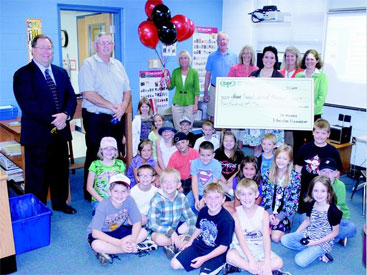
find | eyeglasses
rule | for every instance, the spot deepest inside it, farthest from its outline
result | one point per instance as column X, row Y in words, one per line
column 44, row 48
column 145, row 176
column 105, row 43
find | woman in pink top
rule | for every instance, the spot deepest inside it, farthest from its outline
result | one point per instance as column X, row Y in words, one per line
column 247, row 63
column 291, row 64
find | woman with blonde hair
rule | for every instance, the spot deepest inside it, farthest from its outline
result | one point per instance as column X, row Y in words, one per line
column 186, row 81
column 291, row 64
column 246, row 63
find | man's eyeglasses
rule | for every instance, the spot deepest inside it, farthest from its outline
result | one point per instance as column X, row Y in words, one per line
column 44, row 48
column 105, row 43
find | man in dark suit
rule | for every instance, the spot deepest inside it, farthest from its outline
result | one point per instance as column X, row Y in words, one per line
column 47, row 100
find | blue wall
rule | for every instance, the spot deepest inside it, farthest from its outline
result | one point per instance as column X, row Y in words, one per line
column 13, row 50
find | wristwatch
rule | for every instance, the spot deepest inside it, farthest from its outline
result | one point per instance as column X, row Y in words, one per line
column 68, row 118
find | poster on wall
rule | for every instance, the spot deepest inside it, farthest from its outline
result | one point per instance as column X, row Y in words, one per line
column 204, row 43
column 152, row 88
column 169, row 50
column 33, row 28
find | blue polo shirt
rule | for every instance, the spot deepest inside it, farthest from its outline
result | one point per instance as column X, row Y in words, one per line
column 219, row 64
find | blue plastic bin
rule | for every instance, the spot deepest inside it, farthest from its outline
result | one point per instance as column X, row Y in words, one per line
column 8, row 112
column 31, row 221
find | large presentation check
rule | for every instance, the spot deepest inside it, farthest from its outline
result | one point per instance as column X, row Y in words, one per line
column 264, row 103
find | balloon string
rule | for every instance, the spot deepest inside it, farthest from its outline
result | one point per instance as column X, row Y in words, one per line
column 159, row 57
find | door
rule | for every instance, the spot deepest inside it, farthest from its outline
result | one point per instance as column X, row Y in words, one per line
column 88, row 28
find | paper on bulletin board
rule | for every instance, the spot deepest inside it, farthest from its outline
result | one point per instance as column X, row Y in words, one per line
column 264, row 103
column 151, row 88
column 204, row 43
column 33, row 28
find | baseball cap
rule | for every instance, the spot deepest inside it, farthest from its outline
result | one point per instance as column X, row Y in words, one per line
column 328, row 163
column 185, row 119
column 179, row 136
column 167, row 126
column 108, row 142
column 120, row 178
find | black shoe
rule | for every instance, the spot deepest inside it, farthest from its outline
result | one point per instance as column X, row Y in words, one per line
column 343, row 242
column 228, row 268
column 67, row 209
column 104, row 258
column 326, row 258
column 280, row 272
column 170, row 251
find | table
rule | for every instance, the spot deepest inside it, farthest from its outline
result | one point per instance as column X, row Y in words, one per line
column 7, row 249
column 345, row 151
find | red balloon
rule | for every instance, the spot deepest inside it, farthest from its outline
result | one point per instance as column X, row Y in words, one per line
column 150, row 5
column 191, row 30
column 182, row 25
column 148, row 34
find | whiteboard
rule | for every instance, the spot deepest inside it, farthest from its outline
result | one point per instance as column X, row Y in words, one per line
column 345, row 58
column 264, row 103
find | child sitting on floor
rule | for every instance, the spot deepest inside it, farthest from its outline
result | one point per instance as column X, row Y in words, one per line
column 144, row 191
column 208, row 245
column 170, row 217
column 314, row 237
column 251, row 246
column 116, row 225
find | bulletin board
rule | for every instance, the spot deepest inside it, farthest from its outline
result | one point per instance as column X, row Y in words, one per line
column 204, row 43
column 151, row 87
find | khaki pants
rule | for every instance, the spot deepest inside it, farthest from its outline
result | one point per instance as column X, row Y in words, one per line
column 178, row 112
column 211, row 103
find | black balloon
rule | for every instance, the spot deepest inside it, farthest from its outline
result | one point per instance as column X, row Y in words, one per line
column 161, row 15
column 167, row 33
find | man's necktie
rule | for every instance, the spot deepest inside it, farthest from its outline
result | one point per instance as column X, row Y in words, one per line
column 53, row 89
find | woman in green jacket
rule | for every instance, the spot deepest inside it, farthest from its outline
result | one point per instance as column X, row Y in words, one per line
column 312, row 64
column 186, row 81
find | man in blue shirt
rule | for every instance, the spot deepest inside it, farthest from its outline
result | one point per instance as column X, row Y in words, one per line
column 218, row 65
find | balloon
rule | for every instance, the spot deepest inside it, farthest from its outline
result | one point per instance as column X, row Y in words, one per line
column 148, row 34
column 190, row 32
column 167, row 33
column 182, row 25
column 161, row 15
column 150, row 5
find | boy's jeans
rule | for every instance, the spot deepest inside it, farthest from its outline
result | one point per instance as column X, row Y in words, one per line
column 191, row 200
column 347, row 229
column 307, row 254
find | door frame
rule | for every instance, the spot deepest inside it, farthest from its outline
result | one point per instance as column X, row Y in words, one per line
column 117, row 21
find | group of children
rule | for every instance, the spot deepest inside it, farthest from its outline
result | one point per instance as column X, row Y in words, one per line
column 214, row 208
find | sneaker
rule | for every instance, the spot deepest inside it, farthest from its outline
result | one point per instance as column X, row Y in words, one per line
column 147, row 245
column 104, row 258
column 343, row 242
column 326, row 258
column 228, row 268
column 170, row 251
column 280, row 272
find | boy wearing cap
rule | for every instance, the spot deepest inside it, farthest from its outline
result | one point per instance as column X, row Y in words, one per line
column 181, row 160
column 116, row 225
column 101, row 170
column 347, row 229
column 185, row 126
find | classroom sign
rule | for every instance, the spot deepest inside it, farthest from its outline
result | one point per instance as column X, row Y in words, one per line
column 264, row 103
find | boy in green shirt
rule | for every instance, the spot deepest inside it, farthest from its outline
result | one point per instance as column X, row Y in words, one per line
column 347, row 229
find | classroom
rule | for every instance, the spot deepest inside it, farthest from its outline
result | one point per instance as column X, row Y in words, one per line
column 336, row 29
